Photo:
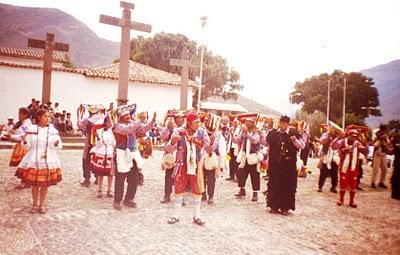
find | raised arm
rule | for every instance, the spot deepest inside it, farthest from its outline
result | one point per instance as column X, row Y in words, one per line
column 126, row 129
column 164, row 134
column 82, row 123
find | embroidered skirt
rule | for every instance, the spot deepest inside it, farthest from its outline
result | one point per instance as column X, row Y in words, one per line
column 39, row 177
column 101, row 165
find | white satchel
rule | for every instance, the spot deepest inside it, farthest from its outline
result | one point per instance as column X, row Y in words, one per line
column 240, row 155
column 138, row 159
column 211, row 161
column 252, row 159
column 124, row 160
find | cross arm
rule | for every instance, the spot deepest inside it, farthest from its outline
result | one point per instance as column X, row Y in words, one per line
column 35, row 43
column 140, row 26
column 109, row 20
column 105, row 19
column 61, row 47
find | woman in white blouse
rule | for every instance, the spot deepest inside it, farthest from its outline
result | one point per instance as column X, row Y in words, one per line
column 41, row 167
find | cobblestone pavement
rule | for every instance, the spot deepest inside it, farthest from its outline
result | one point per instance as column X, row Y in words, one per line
column 80, row 223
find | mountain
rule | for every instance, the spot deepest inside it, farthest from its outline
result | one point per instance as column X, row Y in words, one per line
column 249, row 104
column 387, row 81
column 253, row 106
column 86, row 48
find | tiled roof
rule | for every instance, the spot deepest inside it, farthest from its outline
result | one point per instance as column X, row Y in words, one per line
column 32, row 66
column 137, row 73
column 31, row 54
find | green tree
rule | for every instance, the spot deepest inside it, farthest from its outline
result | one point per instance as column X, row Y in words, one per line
column 218, row 78
column 394, row 124
column 362, row 97
column 315, row 120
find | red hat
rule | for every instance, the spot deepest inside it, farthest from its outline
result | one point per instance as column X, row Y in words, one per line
column 192, row 117
column 248, row 117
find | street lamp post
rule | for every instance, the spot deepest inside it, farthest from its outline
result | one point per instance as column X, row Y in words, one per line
column 344, row 104
column 328, row 104
column 203, row 23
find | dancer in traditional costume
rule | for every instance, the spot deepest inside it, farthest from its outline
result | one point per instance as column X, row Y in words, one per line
column 381, row 147
column 249, row 157
column 329, row 161
column 224, row 129
column 233, row 148
column 189, row 143
column 304, row 153
column 41, row 167
column 350, row 149
column 175, row 120
column 17, row 134
column 88, row 125
column 102, row 157
column 284, row 143
column 395, row 179
column 128, row 158
column 213, row 159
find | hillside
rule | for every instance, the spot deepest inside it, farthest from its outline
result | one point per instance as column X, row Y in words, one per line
column 387, row 81
column 249, row 104
column 86, row 48
column 85, row 45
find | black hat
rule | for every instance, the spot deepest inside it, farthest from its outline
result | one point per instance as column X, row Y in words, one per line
column 285, row 118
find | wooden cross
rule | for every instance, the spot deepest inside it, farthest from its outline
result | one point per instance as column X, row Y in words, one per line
column 126, row 24
column 185, row 64
column 48, row 45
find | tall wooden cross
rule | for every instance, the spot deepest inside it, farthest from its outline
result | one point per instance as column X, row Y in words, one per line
column 126, row 24
column 48, row 45
column 185, row 64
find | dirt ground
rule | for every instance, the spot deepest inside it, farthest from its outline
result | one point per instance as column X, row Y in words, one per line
column 80, row 223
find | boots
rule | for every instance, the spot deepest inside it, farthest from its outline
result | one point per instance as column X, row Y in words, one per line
column 242, row 193
column 352, row 196
column 255, row 197
column 204, row 197
column 210, row 200
column 341, row 198
column 166, row 200
column 85, row 183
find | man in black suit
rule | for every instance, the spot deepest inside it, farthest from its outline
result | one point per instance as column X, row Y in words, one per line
column 284, row 143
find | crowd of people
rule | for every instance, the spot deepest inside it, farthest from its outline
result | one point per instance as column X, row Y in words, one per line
column 60, row 119
column 198, row 147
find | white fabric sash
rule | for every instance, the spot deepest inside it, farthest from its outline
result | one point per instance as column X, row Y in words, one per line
column 354, row 158
column 191, row 157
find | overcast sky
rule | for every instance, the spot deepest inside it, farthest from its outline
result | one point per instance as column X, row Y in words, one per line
column 272, row 44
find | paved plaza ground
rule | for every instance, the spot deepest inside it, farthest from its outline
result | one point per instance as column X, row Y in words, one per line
column 80, row 223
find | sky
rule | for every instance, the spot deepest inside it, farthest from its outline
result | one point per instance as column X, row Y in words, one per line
column 272, row 44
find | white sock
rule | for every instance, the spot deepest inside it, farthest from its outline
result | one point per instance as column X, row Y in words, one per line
column 196, row 203
column 177, row 207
